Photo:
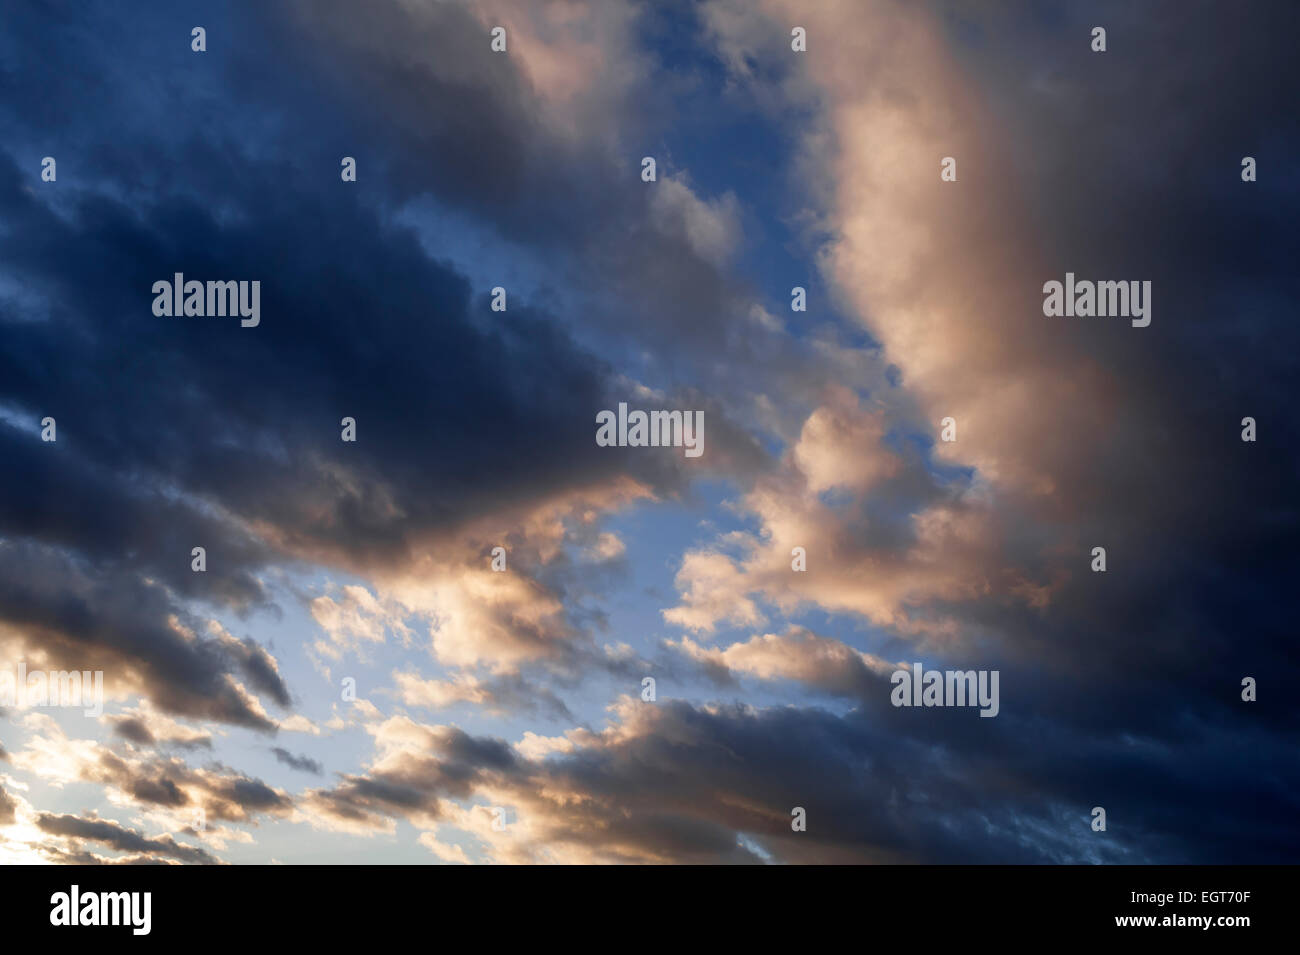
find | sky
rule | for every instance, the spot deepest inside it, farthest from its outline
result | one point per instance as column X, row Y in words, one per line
column 673, row 658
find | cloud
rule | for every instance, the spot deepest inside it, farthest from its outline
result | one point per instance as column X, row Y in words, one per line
column 70, row 614
column 671, row 782
column 302, row 763
column 882, row 535
column 475, row 428
column 800, row 655
column 158, row 783
column 416, row 770
column 146, row 727
column 8, row 808
column 496, row 696
column 711, row 227
column 355, row 620
column 121, row 839
column 131, row 493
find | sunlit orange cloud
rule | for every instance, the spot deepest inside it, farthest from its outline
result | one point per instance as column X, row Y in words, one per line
column 173, row 799
column 953, row 549
column 797, row 654
column 472, row 614
column 946, row 275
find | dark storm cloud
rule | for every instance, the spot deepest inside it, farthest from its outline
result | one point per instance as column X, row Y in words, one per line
column 105, row 617
column 183, row 432
column 470, row 130
column 120, row 838
column 382, row 335
column 1127, row 164
column 1124, row 165
column 678, row 783
column 355, row 301
column 1168, row 750
column 495, row 156
column 76, row 502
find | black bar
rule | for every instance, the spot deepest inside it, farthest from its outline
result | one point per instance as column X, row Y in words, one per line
column 335, row 904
